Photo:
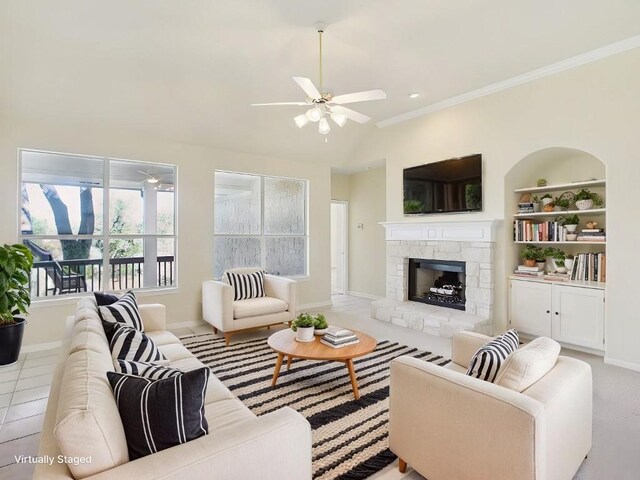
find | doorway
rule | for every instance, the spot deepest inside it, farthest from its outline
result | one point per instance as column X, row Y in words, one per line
column 339, row 244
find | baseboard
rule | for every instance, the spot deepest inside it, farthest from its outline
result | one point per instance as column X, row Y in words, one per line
column 38, row 347
column 368, row 296
column 314, row 305
column 622, row 363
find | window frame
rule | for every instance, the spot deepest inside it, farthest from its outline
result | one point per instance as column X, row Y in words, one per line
column 105, row 236
column 262, row 236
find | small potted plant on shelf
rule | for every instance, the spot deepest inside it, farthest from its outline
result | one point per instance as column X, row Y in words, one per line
column 547, row 199
column 16, row 262
column 557, row 257
column 321, row 324
column 530, row 254
column 304, row 325
column 562, row 203
column 586, row 200
column 570, row 222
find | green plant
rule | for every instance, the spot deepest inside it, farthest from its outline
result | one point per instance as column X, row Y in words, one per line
column 555, row 253
column 304, row 320
column 413, row 206
column 562, row 203
column 569, row 220
column 585, row 194
column 321, row 322
column 542, row 182
column 531, row 252
column 546, row 195
column 16, row 262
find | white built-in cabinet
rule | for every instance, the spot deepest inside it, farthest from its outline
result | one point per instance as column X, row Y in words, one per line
column 567, row 313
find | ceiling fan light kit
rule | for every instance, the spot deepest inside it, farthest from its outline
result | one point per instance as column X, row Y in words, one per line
column 325, row 105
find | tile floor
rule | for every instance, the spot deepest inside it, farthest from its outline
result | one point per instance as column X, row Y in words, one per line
column 24, row 388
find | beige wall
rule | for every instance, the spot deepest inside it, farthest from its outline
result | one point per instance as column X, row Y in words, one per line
column 339, row 186
column 195, row 209
column 367, row 257
column 593, row 108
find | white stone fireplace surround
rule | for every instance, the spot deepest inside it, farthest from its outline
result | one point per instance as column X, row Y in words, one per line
column 471, row 242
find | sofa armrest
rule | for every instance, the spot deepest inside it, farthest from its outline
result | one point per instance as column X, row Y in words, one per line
column 449, row 425
column 284, row 289
column 154, row 317
column 217, row 304
column 275, row 446
column 464, row 345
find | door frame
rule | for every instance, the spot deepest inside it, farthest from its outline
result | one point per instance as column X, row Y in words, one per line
column 345, row 235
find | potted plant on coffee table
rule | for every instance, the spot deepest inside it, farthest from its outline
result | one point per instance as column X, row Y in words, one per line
column 16, row 262
column 304, row 325
column 530, row 253
column 557, row 257
column 586, row 200
column 321, row 324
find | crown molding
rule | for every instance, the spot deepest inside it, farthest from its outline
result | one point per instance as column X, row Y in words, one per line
column 554, row 68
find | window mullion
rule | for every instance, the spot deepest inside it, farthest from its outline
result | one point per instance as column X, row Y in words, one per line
column 106, row 275
column 263, row 242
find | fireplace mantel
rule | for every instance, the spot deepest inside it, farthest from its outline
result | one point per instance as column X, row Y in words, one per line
column 458, row 231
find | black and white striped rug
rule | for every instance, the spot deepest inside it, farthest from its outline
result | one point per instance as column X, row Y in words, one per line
column 350, row 437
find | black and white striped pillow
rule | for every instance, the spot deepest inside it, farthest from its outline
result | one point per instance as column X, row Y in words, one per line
column 130, row 344
column 246, row 285
column 487, row 360
column 125, row 310
column 159, row 414
column 146, row 370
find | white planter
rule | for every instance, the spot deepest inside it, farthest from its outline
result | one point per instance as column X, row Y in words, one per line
column 584, row 204
column 305, row 334
column 558, row 268
column 536, row 206
column 571, row 228
column 320, row 331
column 546, row 201
column 571, row 237
column 568, row 262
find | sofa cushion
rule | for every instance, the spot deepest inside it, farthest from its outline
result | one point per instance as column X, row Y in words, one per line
column 146, row 370
column 226, row 412
column 527, row 365
column 174, row 352
column 246, row 285
column 254, row 307
column 123, row 311
column 87, row 420
column 162, row 337
column 162, row 413
column 130, row 344
column 486, row 362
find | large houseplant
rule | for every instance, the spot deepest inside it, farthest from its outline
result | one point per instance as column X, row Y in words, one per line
column 16, row 262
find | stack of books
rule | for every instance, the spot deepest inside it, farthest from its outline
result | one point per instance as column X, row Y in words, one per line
column 557, row 277
column 337, row 337
column 592, row 235
column 532, row 272
column 528, row 231
column 590, row 267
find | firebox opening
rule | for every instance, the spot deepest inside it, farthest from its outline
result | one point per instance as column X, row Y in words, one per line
column 437, row 282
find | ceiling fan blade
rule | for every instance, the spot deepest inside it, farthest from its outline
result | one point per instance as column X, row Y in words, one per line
column 144, row 173
column 359, row 97
column 308, row 87
column 350, row 114
column 278, row 103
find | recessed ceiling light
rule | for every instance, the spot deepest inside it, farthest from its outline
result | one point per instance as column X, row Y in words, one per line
column 414, row 95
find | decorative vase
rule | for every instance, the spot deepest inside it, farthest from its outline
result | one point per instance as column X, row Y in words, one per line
column 529, row 263
column 584, row 204
column 536, row 207
column 568, row 262
column 540, row 264
column 320, row 331
column 571, row 228
column 305, row 334
column 11, row 341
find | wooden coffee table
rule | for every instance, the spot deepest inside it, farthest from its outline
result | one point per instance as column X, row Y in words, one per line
column 285, row 344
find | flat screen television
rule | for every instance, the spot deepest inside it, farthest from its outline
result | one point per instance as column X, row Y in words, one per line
column 448, row 186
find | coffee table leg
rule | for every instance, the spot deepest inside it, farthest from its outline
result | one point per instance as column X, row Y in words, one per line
column 276, row 372
column 289, row 359
column 354, row 380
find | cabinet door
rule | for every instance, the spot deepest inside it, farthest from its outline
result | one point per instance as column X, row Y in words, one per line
column 530, row 307
column 578, row 316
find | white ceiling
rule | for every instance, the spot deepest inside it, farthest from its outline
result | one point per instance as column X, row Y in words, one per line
column 188, row 70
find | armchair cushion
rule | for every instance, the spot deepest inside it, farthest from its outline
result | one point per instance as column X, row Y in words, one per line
column 527, row 365
column 246, row 285
column 485, row 364
column 254, row 307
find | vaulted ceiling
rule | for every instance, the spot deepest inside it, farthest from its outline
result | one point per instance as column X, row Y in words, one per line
column 188, row 70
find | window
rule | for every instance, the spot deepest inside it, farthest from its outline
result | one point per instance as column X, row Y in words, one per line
column 260, row 221
column 96, row 223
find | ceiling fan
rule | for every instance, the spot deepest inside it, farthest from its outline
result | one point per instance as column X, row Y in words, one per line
column 151, row 178
column 324, row 104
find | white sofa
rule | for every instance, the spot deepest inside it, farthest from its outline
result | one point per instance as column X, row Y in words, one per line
column 229, row 316
column 447, row 425
column 82, row 419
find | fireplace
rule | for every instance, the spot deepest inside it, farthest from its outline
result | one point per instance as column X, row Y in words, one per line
column 437, row 282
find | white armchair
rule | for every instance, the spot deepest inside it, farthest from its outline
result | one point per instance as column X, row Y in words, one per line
column 229, row 316
column 448, row 425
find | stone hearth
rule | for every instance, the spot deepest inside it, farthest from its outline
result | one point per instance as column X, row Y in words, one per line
column 469, row 242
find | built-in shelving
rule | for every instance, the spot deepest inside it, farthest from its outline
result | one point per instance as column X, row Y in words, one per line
column 562, row 186
column 575, row 242
column 593, row 211
column 575, row 283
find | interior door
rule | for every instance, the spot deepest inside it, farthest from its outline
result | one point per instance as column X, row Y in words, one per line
column 530, row 307
column 578, row 316
column 339, row 247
